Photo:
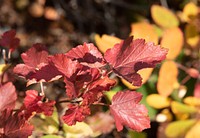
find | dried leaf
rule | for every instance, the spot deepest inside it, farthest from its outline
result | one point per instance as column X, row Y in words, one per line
column 167, row 79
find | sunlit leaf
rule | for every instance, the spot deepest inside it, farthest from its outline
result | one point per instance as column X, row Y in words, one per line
column 190, row 100
column 167, row 79
column 173, row 40
column 190, row 11
column 194, row 131
column 144, row 30
column 179, row 128
column 144, row 73
column 182, row 108
column 192, row 35
column 105, row 42
column 81, row 129
column 164, row 17
column 158, row 101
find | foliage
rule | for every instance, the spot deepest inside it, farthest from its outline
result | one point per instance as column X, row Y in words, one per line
column 85, row 72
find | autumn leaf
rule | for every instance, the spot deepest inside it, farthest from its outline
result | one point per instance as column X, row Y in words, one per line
column 9, row 40
column 75, row 113
column 154, row 99
column 34, row 59
column 172, row 40
column 144, row 30
column 105, row 42
column 129, row 56
column 34, row 103
column 128, row 112
column 164, row 17
column 192, row 35
column 190, row 11
column 86, row 54
column 8, row 96
column 167, row 79
column 14, row 125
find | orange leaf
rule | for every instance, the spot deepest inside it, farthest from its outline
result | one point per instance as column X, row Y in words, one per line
column 144, row 30
column 105, row 42
column 164, row 17
column 167, row 79
column 144, row 73
column 173, row 40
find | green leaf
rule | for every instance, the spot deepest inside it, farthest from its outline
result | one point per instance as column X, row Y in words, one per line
column 179, row 128
column 164, row 17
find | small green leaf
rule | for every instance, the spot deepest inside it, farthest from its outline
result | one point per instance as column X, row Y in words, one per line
column 179, row 128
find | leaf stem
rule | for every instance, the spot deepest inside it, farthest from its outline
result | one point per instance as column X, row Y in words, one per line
column 42, row 89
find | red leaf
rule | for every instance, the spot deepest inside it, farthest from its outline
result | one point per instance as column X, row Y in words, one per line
column 35, row 58
column 46, row 73
column 34, row 103
column 96, row 89
column 9, row 40
column 128, row 112
column 130, row 55
column 87, row 54
column 75, row 113
column 65, row 65
column 14, row 125
column 8, row 96
column 79, row 81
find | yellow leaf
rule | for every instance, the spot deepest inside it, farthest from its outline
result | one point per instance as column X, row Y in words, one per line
column 194, row 131
column 193, row 101
column 192, row 35
column 105, row 42
column 3, row 67
column 157, row 101
column 178, row 129
column 182, row 108
column 144, row 73
column 167, row 79
column 173, row 40
column 190, row 11
column 144, row 30
column 79, row 130
column 164, row 17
